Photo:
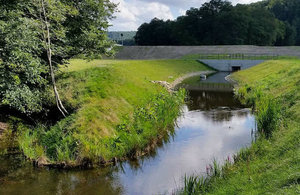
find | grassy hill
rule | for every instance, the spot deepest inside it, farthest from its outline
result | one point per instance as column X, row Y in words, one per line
column 117, row 111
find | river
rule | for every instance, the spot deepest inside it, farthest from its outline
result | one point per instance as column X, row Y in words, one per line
column 214, row 125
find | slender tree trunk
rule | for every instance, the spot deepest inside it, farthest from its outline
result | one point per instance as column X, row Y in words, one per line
column 49, row 55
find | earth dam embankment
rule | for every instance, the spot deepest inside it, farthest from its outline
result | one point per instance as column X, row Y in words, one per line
column 176, row 52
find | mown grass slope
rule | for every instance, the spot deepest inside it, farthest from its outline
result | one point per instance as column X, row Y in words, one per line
column 272, row 164
column 110, row 89
column 116, row 109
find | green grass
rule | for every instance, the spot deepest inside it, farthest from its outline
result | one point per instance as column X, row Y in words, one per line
column 117, row 111
column 272, row 164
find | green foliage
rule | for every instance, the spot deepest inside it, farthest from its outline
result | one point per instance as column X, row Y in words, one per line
column 28, row 142
column 161, row 33
column 218, row 23
column 201, row 184
column 194, row 185
column 56, row 144
column 149, row 121
column 62, row 143
column 117, row 110
column 289, row 12
column 270, row 22
column 59, row 142
column 21, row 80
column 268, row 116
column 267, row 110
column 86, row 29
column 75, row 27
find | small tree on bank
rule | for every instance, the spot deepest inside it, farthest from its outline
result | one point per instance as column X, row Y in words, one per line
column 38, row 35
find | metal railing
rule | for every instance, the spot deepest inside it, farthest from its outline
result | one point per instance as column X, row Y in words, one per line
column 239, row 56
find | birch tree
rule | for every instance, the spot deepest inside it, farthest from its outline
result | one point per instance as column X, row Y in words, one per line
column 36, row 36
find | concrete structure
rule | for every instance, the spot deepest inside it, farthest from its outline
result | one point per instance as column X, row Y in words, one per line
column 231, row 65
column 176, row 52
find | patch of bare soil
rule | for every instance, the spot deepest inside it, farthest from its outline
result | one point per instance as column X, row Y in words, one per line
column 171, row 86
column 3, row 127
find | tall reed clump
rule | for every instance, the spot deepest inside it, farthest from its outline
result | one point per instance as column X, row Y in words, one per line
column 267, row 109
column 201, row 184
column 55, row 144
column 268, row 116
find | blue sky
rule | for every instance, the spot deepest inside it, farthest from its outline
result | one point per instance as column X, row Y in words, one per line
column 132, row 13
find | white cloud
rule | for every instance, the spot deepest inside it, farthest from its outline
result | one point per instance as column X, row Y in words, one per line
column 182, row 12
column 133, row 13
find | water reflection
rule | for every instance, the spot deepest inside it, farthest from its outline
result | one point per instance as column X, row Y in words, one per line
column 210, row 100
column 213, row 125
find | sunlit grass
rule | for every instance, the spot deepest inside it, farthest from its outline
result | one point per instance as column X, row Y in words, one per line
column 271, row 165
column 105, row 95
column 107, row 90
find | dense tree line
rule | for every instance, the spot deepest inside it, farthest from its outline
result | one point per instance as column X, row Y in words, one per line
column 218, row 22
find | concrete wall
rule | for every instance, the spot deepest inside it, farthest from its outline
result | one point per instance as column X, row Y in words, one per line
column 226, row 65
column 175, row 52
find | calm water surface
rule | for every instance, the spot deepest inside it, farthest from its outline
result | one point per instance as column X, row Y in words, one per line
column 213, row 126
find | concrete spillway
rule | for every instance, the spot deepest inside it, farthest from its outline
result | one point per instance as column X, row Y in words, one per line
column 231, row 65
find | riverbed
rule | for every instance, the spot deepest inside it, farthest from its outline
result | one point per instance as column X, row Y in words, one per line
column 213, row 126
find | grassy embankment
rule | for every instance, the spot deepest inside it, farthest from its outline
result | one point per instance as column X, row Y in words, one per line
column 117, row 111
column 272, row 164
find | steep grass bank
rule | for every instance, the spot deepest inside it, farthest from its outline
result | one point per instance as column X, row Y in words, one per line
column 117, row 111
column 272, row 164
